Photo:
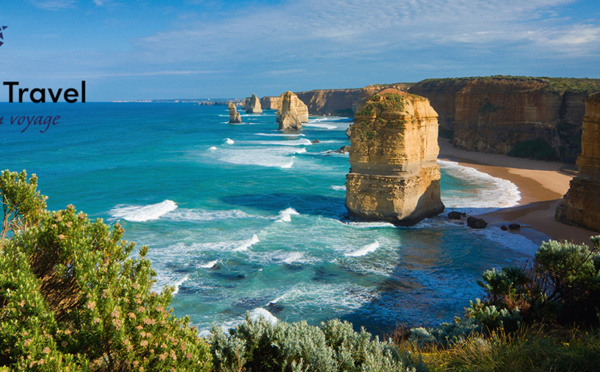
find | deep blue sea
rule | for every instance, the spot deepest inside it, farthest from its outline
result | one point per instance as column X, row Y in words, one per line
column 242, row 218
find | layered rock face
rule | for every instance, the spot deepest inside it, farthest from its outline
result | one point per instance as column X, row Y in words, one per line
column 234, row 116
column 269, row 103
column 291, row 112
column 252, row 106
column 394, row 175
column 511, row 115
column 341, row 102
column 581, row 204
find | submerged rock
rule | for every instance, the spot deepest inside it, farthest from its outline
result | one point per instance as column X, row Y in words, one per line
column 234, row 116
column 291, row 112
column 253, row 105
column 394, row 175
column 581, row 204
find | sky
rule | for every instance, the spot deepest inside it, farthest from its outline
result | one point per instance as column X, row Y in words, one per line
column 153, row 49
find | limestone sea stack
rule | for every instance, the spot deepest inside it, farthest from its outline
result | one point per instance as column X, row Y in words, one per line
column 291, row 112
column 234, row 115
column 253, row 106
column 581, row 204
column 394, row 175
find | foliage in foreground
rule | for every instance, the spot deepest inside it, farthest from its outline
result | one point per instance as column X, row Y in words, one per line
column 71, row 299
column 533, row 348
column 334, row 346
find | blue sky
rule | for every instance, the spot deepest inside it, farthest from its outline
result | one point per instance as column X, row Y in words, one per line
column 202, row 48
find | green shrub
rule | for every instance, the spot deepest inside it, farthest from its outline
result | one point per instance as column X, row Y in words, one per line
column 382, row 102
column 72, row 299
column 334, row 346
column 561, row 285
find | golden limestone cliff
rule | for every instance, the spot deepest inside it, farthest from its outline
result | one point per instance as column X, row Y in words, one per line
column 394, row 175
column 269, row 103
column 581, row 204
column 291, row 112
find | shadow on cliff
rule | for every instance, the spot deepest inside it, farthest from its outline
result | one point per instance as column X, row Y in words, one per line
column 313, row 204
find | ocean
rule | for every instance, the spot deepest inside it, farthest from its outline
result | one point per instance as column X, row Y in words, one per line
column 242, row 218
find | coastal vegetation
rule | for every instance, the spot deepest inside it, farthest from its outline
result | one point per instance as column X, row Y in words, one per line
column 550, row 84
column 72, row 297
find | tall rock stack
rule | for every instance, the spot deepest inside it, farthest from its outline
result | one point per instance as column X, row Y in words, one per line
column 234, row 115
column 394, row 175
column 291, row 112
column 581, row 204
column 253, row 105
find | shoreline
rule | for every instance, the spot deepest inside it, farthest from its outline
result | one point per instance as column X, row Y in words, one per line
column 541, row 184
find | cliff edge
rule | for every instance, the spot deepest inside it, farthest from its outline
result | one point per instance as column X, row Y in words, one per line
column 530, row 117
column 581, row 204
column 394, row 175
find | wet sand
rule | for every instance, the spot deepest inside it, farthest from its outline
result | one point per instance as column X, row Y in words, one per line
column 542, row 185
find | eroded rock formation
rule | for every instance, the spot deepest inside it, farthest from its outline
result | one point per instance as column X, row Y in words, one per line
column 234, row 115
column 269, row 103
column 291, row 112
column 252, row 106
column 581, row 204
column 521, row 116
column 394, row 175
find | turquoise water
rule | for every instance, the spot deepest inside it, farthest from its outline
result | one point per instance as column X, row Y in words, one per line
column 243, row 218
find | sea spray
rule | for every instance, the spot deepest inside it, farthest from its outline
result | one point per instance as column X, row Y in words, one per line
column 364, row 250
column 143, row 213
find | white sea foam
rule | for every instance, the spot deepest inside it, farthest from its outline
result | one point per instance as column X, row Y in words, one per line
column 512, row 241
column 229, row 141
column 339, row 188
column 293, row 257
column 364, row 250
column 245, row 244
column 331, row 119
column 202, row 215
column 278, row 156
column 296, row 142
column 179, row 283
column 324, row 126
column 492, row 193
column 212, row 148
column 143, row 213
column 209, row 265
column 286, row 215
column 280, row 134
column 369, row 225
column 276, row 300
column 259, row 312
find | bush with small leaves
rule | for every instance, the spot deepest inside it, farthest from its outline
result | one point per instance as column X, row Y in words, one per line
column 71, row 298
column 562, row 284
column 334, row 346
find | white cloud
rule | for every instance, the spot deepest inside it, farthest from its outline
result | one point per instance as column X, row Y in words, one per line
column 338, row 28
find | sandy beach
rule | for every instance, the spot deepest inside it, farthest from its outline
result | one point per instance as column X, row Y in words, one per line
column 542, row 185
